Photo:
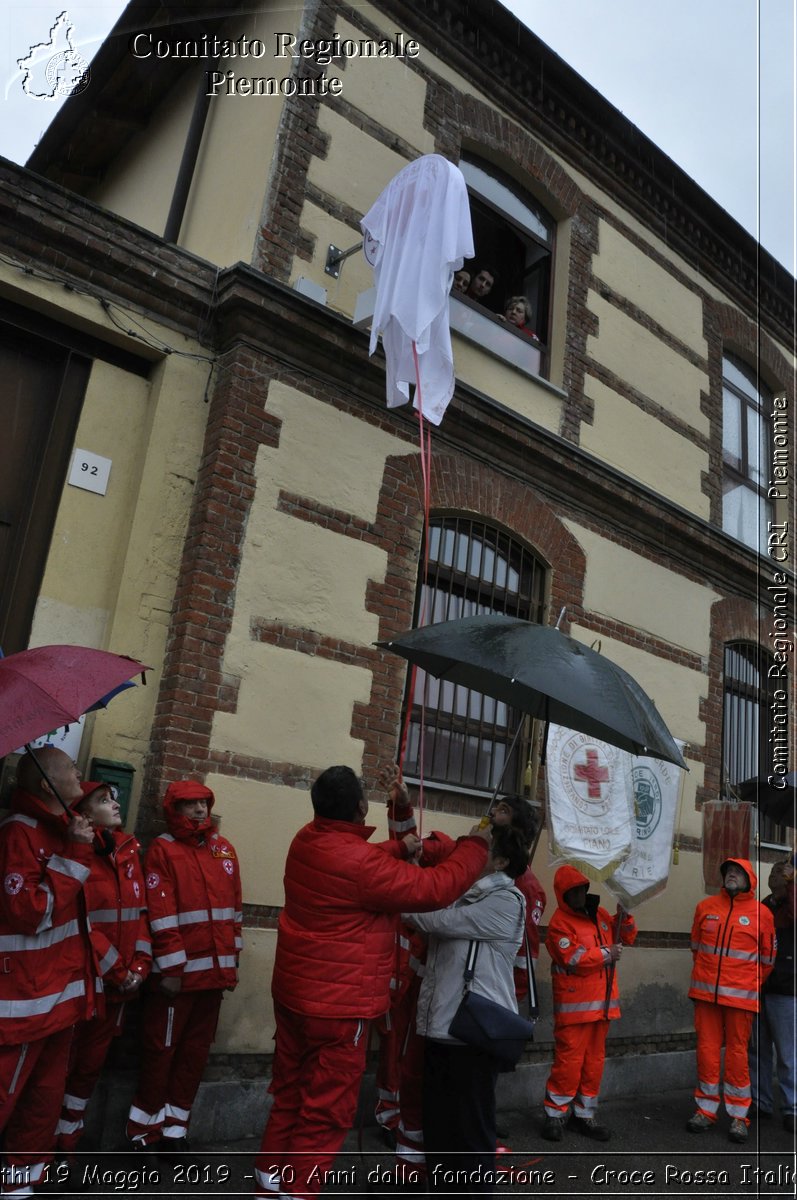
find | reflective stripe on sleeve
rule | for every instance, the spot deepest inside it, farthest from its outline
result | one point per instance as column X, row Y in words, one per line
column 17, row 942
column 171, row 960
column 13, row 1009
column 68, row 866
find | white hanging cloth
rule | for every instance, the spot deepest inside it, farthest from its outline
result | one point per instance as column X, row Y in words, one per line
column 416, row 235
column 590, row 802
column 657, row 786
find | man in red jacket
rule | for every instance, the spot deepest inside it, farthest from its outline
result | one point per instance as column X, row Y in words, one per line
column 733, row 951
column 584, row 946
column 194, row 901
column 114, row 895
column 334, row 961
column 47, row 973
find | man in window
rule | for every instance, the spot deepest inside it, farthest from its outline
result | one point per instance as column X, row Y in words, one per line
column 733, row 948
column 482, row 284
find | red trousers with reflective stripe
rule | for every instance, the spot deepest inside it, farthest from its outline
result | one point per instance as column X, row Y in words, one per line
column 31, row 1090
column 399, row 1075
column 716, row 1024
column 90, row 1047
column 318, row 1066
column 177, row 1033
column 577, row 1069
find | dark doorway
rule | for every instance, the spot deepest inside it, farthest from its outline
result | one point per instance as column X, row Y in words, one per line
column 41, row 393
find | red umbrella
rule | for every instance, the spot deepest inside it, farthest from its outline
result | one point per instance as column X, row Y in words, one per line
column 50, row 686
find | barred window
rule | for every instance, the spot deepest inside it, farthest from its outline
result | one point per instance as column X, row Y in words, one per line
column 745, row 453
column 746, row 724
column 473, row 568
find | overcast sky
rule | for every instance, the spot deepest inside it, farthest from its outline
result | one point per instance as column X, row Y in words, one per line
column 712, row 82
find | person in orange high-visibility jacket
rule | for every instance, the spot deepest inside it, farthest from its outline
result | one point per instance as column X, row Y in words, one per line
column 194, row 901
column 114, row 894
column 733, row 948
column 582, row 943
column 48, row 973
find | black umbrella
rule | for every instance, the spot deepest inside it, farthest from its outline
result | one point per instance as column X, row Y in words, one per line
column 777, row 803
column 543, row 672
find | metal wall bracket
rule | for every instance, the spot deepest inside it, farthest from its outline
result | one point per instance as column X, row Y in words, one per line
column 336, row 257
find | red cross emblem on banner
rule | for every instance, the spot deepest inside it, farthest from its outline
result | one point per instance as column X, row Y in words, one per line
column 592, row 773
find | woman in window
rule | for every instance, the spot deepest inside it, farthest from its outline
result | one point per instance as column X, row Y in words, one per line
column 517, row 312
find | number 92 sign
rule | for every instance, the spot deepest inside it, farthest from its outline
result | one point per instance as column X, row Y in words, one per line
column 90, row 472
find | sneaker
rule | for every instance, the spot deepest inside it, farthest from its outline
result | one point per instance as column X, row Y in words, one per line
column 699, row 1123
column 789, row 1122
column 553, row 1129
column 502, row 1149
column 591, row 1129
column 738, row 1130
column 762, row 1114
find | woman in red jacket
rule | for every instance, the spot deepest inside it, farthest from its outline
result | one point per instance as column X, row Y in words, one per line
column 194, row 901
column 114, row 895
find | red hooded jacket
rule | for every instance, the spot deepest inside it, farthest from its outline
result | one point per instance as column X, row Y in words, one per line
column 47, row 969
column 194, row 897
column 336, row 940
column 118, row 915
column 581, row 971
column 733, row 946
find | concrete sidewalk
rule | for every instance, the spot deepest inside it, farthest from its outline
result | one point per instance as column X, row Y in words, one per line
column 650, row 1154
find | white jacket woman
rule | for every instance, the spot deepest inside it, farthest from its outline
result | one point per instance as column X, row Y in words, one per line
column 459, row 1080
column 492, row 913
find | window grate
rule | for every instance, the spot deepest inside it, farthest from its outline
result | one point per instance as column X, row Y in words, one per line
column 473, row 568
column 745, row 724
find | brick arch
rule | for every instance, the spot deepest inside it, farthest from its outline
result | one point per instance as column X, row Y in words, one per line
column 732, row 620
column 744, row 336
column 462, row 485
column 468, row 486
column 469, row 123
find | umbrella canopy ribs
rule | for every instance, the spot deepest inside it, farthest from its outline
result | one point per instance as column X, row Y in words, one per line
column 541, row 671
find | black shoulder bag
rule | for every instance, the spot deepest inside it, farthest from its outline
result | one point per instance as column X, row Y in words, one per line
column 489, row 1026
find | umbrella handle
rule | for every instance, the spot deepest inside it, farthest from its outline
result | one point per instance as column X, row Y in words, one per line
column 48, row 780
column 485, row 819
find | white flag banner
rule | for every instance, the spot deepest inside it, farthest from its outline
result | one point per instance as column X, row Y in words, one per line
column 590, row 802
column 645, row 872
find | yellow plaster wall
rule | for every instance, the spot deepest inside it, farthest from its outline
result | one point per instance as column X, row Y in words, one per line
column 355, row 275
column 113, row 561
column 640, row 359
column 387, row 90
column 339, row 173
column 513, row 388
column 246, row 1024
column 643, row 448
column 638, row 592
column 240, row 138
column 653, row 289
column 299, row 573
column 77, row 596
column 140, row 181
